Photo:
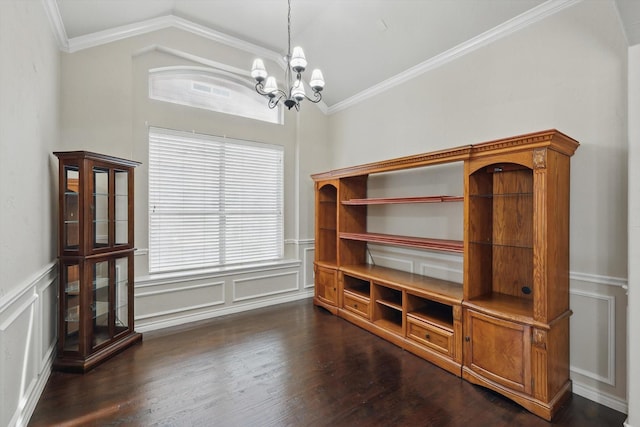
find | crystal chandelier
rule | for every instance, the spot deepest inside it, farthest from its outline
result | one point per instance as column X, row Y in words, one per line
column 296, row 63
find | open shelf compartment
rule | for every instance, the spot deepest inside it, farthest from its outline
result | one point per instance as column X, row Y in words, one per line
column 430, row 311
column 357, row 286
column 500, row 245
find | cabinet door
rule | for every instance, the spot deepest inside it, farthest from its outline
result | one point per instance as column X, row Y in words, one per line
column 70, row 324
column 110, row 310
column 498, row 350
column 326, row 285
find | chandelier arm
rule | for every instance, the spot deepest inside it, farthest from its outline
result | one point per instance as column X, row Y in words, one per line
column 278, row 94
column 260, row 89
column 317, row 97
column 275, row 99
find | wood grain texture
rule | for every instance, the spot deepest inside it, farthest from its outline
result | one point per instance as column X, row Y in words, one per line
column 286, row 365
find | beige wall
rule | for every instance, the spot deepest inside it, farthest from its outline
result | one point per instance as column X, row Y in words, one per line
column 567, row 72
column 29, row 133
column 29, row 101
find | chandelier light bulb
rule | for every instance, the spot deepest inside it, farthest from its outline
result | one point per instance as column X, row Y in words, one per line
column 297, row 91
column 258, row 71
column 298, row 61
column 271, row 87
column 317, row 80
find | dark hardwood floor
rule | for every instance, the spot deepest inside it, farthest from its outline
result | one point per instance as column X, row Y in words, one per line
column 288, row 365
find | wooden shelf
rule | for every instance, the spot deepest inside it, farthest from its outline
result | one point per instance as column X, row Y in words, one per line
column 359, row 293
column 402, row 200
column 504, row 306
column 411, row 242
column 389, row 325
column 429, row 287
column 390, row 304
column 424, row 317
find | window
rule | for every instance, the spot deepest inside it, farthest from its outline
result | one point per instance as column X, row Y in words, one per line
column 213, row 201
column 216, row 91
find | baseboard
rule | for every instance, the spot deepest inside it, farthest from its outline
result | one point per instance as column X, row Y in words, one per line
column 600, row 397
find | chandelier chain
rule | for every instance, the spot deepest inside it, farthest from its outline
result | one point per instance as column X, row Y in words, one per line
column 289, row 32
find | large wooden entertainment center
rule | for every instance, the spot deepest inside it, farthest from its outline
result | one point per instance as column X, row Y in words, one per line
column 506, row 327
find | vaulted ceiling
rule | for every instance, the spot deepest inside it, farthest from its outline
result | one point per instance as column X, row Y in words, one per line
column 358, row 44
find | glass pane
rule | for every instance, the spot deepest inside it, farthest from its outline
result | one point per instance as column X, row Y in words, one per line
column 122, row 295
column 100, row 303
column 71, row 302
column 122, row 207
column 100, row 207
column 70, row 208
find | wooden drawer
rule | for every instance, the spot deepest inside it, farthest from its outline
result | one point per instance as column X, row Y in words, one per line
column 430, row 336
column 356, row 304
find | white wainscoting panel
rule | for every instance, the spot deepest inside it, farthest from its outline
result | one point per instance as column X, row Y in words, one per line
column 28, row 319
column 163, row 301
column 178, row 298
column 593, row 332
column 264, row 285
column 309, row 255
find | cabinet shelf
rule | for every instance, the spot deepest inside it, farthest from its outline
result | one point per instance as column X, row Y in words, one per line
column 434, row 289
column 73, row 287
column 504, row 306
column 433, row 312
column 402, row 200
column 443, row 245
column 327, row 264
column 497, row 195
column 389, row 304
column 390, row 325
column 505, row 245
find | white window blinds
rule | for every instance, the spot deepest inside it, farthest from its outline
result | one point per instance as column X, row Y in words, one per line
column 213, row 201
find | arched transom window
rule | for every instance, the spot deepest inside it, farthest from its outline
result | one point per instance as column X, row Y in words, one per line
column 212, row 90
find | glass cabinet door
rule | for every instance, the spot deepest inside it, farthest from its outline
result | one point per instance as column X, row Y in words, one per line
column 122, row 295
column 70, row 306
column 100, row 207
column 70, row 208
column 121, row 207
column 100, row 305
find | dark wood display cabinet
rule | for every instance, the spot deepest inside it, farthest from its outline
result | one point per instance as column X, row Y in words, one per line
column 95, row 254
column 506, row 327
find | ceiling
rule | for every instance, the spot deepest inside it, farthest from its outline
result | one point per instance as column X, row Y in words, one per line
column 358, row 44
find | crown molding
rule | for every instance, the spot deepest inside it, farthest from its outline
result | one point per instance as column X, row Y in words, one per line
column 99, row 38
column 168, row 21
column 57, row 26
column 75, row 44
column 521, row 21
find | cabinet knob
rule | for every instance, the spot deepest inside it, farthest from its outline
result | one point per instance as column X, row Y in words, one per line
column 355, row 305
column 467, row 339
column 427, row 336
